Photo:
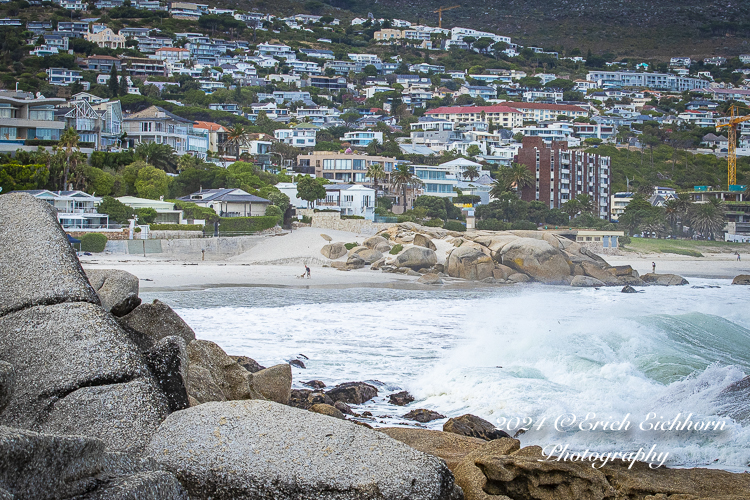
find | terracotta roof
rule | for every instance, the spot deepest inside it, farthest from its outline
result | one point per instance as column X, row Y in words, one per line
column 472, row 109
column 210, row 126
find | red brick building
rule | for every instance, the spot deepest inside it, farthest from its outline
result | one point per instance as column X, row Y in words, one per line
column 562, row 174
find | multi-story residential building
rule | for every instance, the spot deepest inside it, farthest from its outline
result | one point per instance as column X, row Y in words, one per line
column 478, row 91
column 74, row 209
column 701, row 118
column 185, row 10
column 172, row 54
column 276, row 50
column 427, row 68
column 346, row 167
column 550, row 131
column 655, row 81
column 350, row 199
column 150, row 44
column 562, row 174
column 362, row 138
column 155, row 124
column 300, row 137
column 110, row 133
column 72, row 4
column 344, row 67
column 58, row 42
column 106, row 38
column 229, row 107
column 78, row 27
column 365, row 58
column 142, row 66
column 715, row 61
column 327, row 83
column 729, row 94
column 217, row 134
column 24, row 117
column 461, row 33
column 135, row 32
column 318, row 53
column 542, row 95
column 308, row 67
column 538, row 112
column 103, row 64
column 677, row 62
column 39, row 27
column 63, row 76
column 436, row 180
column 504, row 116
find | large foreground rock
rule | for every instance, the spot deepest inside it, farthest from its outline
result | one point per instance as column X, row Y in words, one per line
column 538, row 259
column 664, row 279
column 450, row 447
column 274, row 383
column 37, row 264
column 117, row 290
column 416, row 258
column 77, row 372
column 215, row 376
column 469, row 263
column 333, row 250
column 156, row 321
column 263, row 450
column 45, row 467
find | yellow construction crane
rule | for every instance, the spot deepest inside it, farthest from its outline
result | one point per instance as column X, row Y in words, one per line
column 440, row 11
column 732, row 156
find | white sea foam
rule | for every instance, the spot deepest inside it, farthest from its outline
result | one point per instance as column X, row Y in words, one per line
column 525, row 352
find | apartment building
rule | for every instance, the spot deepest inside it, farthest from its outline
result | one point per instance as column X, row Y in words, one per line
column 562, row 174
column 299, row 137
column 346, row 167
column 500, row 115
column 63, row 76
column 24, row 117
column 656, row 81
column 362, row 138
column 103, row 64
column 171, row 54
column 538, row 111
column 142, row 66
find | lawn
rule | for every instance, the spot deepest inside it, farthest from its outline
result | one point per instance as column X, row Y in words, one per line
column 694, row 248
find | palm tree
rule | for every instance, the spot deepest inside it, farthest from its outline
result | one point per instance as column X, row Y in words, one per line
column 471, row 172
column 571, row 207
column 672, row 211
column 519, row 176
column 236, row 137
column 375, row 172
column 585, row 203
column 707, row 218
column 159, row 155
column 69, row 142
column 500, row 186
column 402, row 177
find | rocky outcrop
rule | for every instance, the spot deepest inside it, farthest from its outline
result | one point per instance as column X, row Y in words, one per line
column 214, row 376
column 373, row 242
column 423, row 416
column 537, row 259
column 468, row 263
column 370, row 256
column 355, row 262
column 421, row 240
column 450, row 447
column 37, row 264
column 72, row 362
column 742, row 279
column 416, row 258
column 117, row 290
column 628, row 289
column 502, row 272
column 402, row 398
column 664, row 279
column 430, row 279
column 354, row 393
column 46, row 467
column 304, row 399
column 156, row 321
column 259, row 449
column 274, row 383
column 585, row 281
column 473, row 426
column 333, row 250
column 329, row 410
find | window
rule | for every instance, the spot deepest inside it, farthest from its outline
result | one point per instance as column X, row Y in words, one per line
column 7, row 111
column 145, row 126
column 8, row 133
column 47, row 134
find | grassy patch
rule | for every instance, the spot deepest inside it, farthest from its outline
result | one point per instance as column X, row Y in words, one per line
column 396, row 249
column 685, row 247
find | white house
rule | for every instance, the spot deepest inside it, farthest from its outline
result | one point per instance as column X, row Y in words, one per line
column 75, row 209
column 360, row 138
column 297, row 137
column 350, row 199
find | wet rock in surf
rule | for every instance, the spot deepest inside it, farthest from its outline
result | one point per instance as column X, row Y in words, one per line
column 473, row 426
column 402, row 398
column 354, row 393
column 423, row 416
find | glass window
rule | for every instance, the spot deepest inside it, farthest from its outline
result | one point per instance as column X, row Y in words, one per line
column 45, row 113
column 6, row 111
column 328, row 165
column 8, row 133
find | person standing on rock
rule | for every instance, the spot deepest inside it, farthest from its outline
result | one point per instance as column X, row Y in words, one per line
column 653, row 267
column 307, row 271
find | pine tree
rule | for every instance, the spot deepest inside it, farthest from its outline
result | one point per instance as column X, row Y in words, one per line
column 113, row 85
column 123, row 90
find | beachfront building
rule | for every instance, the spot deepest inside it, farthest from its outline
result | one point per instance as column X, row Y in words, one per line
column 166, row 213
column 562, row 174
column 346, row 167
column 74, row 209
column 23, row 117
column 229, row 202
column 349, row 199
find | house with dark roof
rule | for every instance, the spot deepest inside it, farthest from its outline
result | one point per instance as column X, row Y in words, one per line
column 155, row 124
column 230, row 202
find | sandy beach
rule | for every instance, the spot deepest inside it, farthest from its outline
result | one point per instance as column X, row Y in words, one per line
column 279, row 261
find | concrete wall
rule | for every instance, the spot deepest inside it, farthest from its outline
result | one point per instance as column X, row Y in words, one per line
column 171, row 235
column 332, row 220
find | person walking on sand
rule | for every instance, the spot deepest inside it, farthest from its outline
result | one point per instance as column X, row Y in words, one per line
column 307, row 271
column 738, row 256
column 653, row 267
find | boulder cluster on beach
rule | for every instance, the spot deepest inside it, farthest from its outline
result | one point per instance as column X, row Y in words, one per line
column 105, row 397
column 495, row 257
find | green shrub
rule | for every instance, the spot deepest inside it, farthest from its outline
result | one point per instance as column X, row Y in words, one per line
column 387, row 236
column 623, row 240
column 352, row 217
column 454, row 225
column 524, row 225
column 396, row 249
column 434, row 223
column 246, row 224
column 93, row 242
column 405, row 218
column 274, row 211
column 493, row 225
column 147, row 215
column 349, row 246
column 306, row 219
column 176, row 227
